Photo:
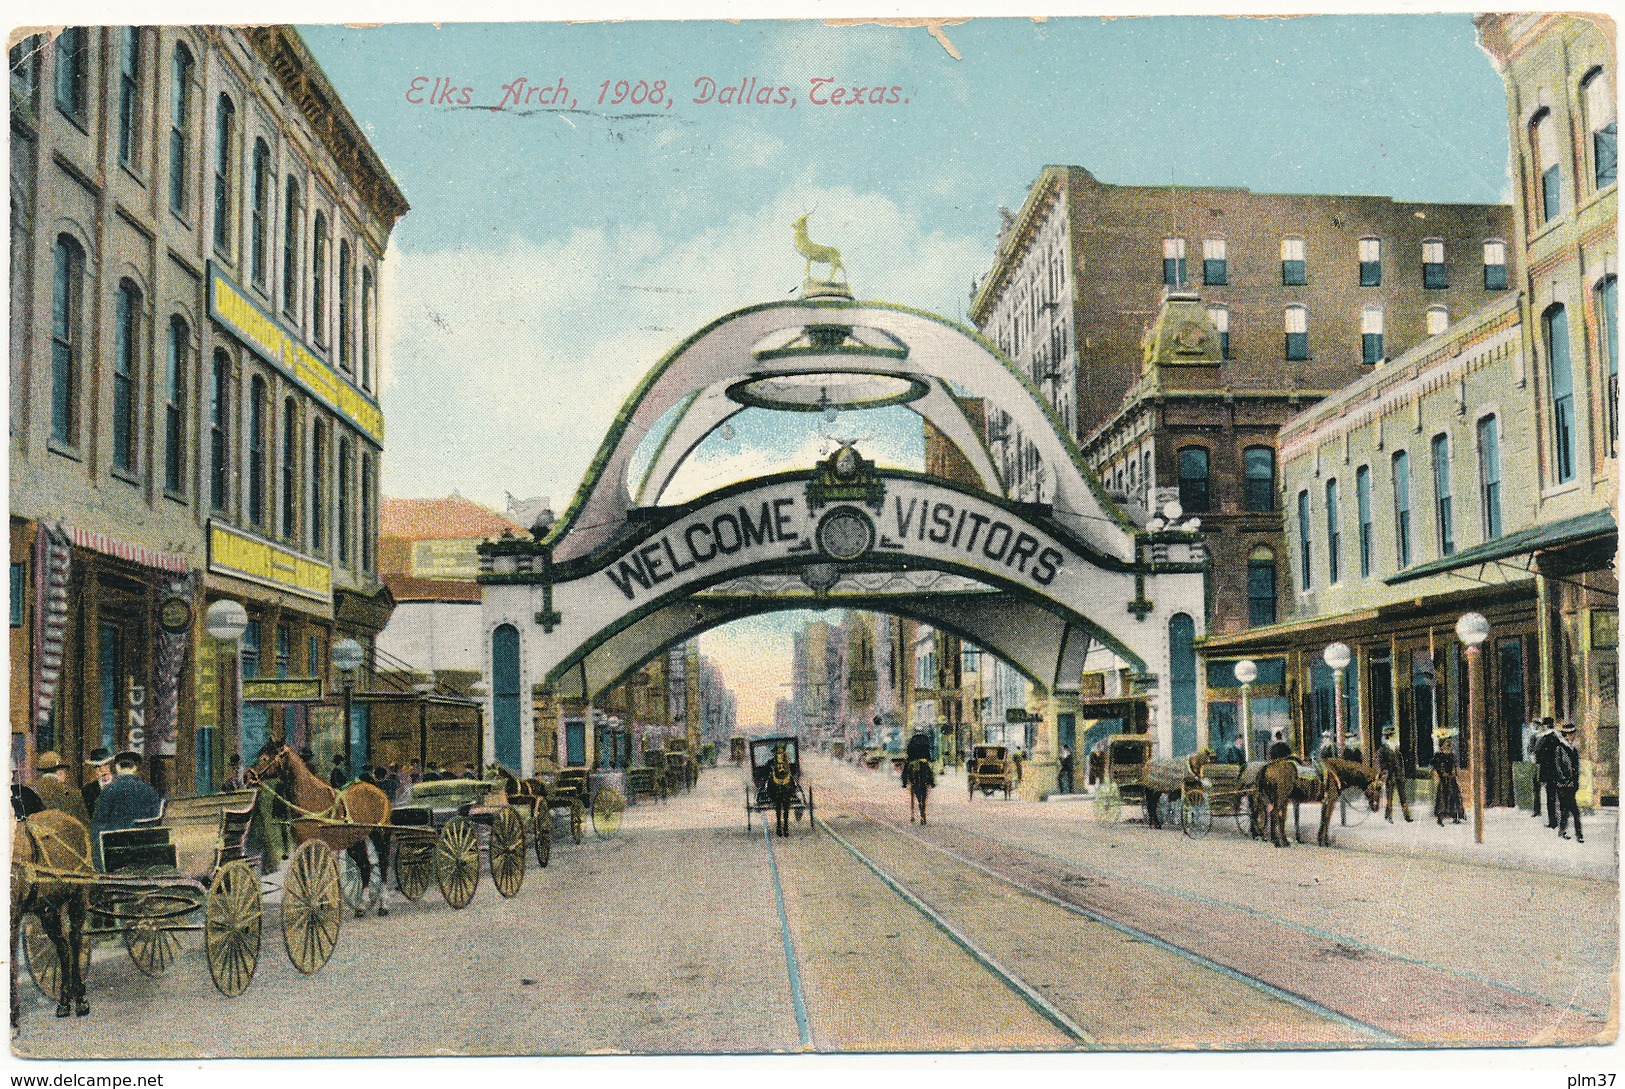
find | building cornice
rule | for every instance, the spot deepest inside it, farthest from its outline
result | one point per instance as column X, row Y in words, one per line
column 1040, row 197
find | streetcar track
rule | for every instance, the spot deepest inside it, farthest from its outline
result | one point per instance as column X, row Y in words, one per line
column 791, row 968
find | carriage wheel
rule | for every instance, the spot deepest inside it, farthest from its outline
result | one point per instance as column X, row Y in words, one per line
column 1108, row 803
column 1355, row 806
column 578, row 818
column 507, row 851
column 152, row 946
column 457, row 861
column 1196, row 815
column 541, row 827
column 312, row 905
column 350, row 885
column 810, row 823
column 413, row 868
column 43, row 966
column 747, row 807
column 233, row 913
column 1168, row 809
column 607, row 808
column 1244, row 813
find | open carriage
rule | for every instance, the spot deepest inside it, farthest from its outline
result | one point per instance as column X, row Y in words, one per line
column 185, row 870
column 990, row 768
column 1168, row 791
column 758, row 793
column 571, row 793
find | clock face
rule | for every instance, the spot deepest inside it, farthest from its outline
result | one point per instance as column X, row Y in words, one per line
column 175, row 614
column 846, row 533
column 1191, row 338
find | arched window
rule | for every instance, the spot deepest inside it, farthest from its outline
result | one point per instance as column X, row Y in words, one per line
column 1489, row 476
column 1607, row 304
column 225, row 174
column 67, row 339
column 1544, row 146
column 344, row 305
column 290, row 469
column 175, row 384
column 1297, row 332
column 1259, row 462
column 180, row 130
column 260, row 223
column 220, row 433
column 318, row 280
column 1182, row 681
column 257, row 422
column 1193, row 479
column 505, row 692
column 1261, row 587
column 345, row 467
column 1294, row 263
column 1597, row 93
column 1173, row 261
column 319, row 492
column 126, row 374
column 1402, row 508
column 365, row 520
column 366, row 327
column 72, row 70
column 1370, row 262
column 1305, row 580
column 1555, row 326
column 1215, row 262
column 1434, row 275
column 1443, row 525
column 129, row 97
column 292, row 219
column 1334, row 535
column 1362, row 501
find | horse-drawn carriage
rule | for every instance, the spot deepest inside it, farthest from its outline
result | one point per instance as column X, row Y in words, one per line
column 441, row 833
column 571, row 792
column 775, row 784
column 645, row 782
column 186, row 869
column 990, row 768
column 737, row 747
column 1169, row 791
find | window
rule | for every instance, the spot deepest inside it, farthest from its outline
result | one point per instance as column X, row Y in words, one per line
column 1362, row 499
column 1215, row 266
column 67, row 295
column 318, row 281
column 1193, row 483
column 290, row 469
column 1220, row 317
column 25, row 71
column 175, row 382
column 344, row 501
column 1371, row 335
column 19, row 586
column 1441, row 495
column 1543, row 141
column 1433, row 274
column 126, row 374
column 1334, row 539
column 364, row 522
column 1489, row 476
column 1259, row 466
column 1402, row 508
column 257, row 423
column 366, row 328
column 1495, row 265
column 1261, row 587
column 1173, row 261
column 225, row 142
column 1597, row 94
column 1303, row 540
column 291, row 222
column 1555, row 325
column 72, row 68
column 318, row 487
column 180, row 129
column 1438, row 318
column 1370, row 262
column 129, row 97
column 1294, row 268
column 344, row 305
column 220, row 434
column 1297, row 333
column 1608, row 330
column 260, row 224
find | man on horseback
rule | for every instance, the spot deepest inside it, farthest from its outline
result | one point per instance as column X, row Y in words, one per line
column 918, row 775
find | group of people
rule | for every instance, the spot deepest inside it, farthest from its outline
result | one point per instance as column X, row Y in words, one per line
column 1556, row 755
column 115, row 798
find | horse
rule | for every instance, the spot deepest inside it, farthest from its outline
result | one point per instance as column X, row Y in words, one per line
column 812, row 251
column 781, row 788
column 918, row 779
column 322, row 811
column 1277, row 787
column 1161, row 777
column 1336, row 776
column 50, row 857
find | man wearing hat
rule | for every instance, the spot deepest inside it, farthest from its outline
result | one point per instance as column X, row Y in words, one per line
column 123, row 802
column 1545, row 767
column 100, row 762
column 1566, row 778
column 54, row 791
column 1391, row 763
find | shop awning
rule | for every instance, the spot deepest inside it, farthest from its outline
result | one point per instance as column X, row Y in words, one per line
column 1530, row 540
column 125, row 550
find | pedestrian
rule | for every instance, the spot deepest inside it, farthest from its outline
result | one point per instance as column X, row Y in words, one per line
column 390, row 781
column 1233, row 752
column 1063, row 783
column 1546, row 767
column 1018, row 758
column 1097, row 763
column 54, row 791
column 1446, row 789
column 122, row 803
column 1566, row 778
column 340, row 774
column 234, row 774
column 100, row 762
column 1279, row 747
column 1391, row 762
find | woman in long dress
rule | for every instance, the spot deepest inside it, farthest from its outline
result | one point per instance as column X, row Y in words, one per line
column 1446, row 790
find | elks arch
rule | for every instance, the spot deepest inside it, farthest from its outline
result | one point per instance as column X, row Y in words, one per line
column 619, row 577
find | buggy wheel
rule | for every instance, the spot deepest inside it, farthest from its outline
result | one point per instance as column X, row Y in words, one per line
column 541, row 827
column 1168, row 810
column 152, row 946
column 457, row 861
column 1196, row 815
column 1244, row 813
column 44, row 968
column 1108, row 804
column 354, row 891
column 607, row 807
column 413, row 868
column 1355, row 806
column 312, row 905
column 233, row 914
column 578, row 818
column 507, row 850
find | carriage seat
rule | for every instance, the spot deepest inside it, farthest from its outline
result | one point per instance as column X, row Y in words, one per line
column 136, row 849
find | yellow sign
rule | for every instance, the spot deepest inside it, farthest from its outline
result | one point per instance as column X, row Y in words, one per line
column 445, row 559
column 282, row 689
column 237, row 312
column 234, row 553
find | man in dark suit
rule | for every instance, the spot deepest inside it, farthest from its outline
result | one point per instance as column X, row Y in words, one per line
column 1545, row 767
column 1391, row 762
column 1566, row 778
column 123, row 802
column 100, row 762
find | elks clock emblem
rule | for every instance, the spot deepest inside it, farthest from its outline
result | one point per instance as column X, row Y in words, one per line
column 1190, row 338
column 845, row 533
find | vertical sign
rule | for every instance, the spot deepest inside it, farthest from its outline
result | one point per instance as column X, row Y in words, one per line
column 205, row 714
column 136, row 719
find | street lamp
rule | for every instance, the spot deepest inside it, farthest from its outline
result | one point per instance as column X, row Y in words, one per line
column 1338, row 656
column 226, row 620
column 1472, row 629
column 347, row 655
column 1246, row 674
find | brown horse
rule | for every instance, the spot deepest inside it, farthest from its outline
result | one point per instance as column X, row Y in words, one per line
column 1277, row 784
column 781, row 788
column 1338, row 775
column 50, row 857
column 323, row 812
column 918, row 779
